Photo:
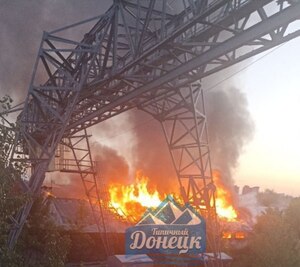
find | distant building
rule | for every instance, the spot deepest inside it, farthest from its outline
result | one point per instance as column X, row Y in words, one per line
column 249, row 204
column 247, row 189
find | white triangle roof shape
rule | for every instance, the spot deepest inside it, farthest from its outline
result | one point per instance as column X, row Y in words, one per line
column 195, row 218
column 177, row 212
column 156, row 220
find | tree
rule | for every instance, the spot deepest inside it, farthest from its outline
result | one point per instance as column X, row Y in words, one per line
column 11, row 199
column 41, row 242
column 292, row 215
column 268, row 198
column 275, row 240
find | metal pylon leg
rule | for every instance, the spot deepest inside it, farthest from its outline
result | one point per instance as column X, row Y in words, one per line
column 183, row 119
column 79, row 144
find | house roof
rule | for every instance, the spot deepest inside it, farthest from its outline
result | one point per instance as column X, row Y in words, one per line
column 76, row 214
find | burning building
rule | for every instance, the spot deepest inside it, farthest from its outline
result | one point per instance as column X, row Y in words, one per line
column 126, row 205
column 128, row 202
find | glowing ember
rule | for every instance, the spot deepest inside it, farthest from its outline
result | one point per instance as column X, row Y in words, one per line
column 131, row 201
column 224, row 207
column 233, row 235
column 240, row 235
column 226, row 235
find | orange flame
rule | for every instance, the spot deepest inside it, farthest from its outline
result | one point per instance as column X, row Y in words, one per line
column 132, row 200
column 233, row 235
column 226, row 235
column 224, row 207
column 240, row 235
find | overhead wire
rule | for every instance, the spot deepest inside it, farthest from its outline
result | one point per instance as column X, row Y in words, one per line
column 242, row 69
column 205, row 90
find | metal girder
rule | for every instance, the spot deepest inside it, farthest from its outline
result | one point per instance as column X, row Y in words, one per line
column 138, row 53
column 183, row 119
column 85, row 167
column 41, row 125
column 194, row 51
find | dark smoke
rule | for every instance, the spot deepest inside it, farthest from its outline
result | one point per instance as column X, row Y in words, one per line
column 230, row 127
column 66, row 185
column 229, row 121
column 152, row 156
column 22, row 25
column 111, row 166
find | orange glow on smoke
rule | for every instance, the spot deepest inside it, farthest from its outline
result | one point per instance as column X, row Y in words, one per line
column 131, row 201
column 224, row 206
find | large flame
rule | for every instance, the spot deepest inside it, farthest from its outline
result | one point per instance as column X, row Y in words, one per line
column 224, row 202
column 131, row 201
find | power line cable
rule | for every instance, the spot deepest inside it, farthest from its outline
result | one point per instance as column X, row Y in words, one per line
column 242, row 69
column 205, row 90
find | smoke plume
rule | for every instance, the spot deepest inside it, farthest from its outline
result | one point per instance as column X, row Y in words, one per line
column 230, row 127
column 152, row 156
column 22, row 25
column 111, row 166
column 229, row 121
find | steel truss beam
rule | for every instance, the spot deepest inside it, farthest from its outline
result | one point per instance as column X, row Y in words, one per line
column 41, row 125
column 183, row 119
column 137, row 53
column 83, row 164
column 191, row 51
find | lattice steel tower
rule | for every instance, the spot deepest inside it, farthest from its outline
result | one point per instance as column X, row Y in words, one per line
column 150, row 55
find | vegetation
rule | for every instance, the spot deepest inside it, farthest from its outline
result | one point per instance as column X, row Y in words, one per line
column 9, row 205
column 41, row 242
column 275, row 240
column 10, row 199
column 268, row 198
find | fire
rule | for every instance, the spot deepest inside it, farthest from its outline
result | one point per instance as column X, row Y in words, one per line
column 233, row 235
column 240, row 235
column 224, row 206
column 131, row 201
column 226, row 235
